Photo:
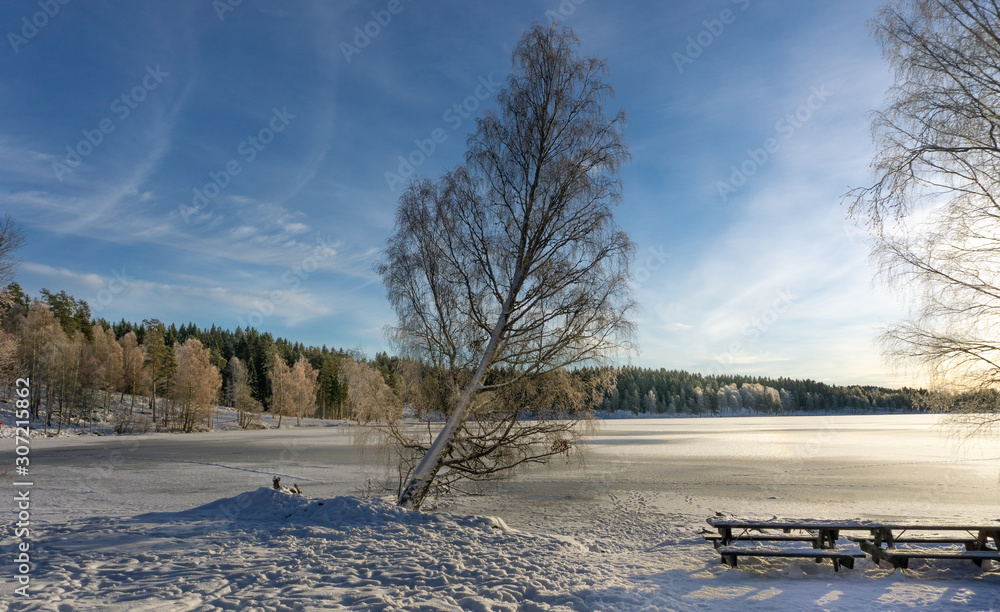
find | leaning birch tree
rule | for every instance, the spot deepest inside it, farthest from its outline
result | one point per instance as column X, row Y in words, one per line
column 511, row 267
column 934, row 204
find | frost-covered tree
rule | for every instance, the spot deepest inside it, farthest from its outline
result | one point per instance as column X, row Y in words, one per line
column 649, row 402
column 8, row 358
column 770, row 400
column 934, row 204
column 511, row 266
column 36, row 335
column 280, row 377
column 195, row 386
column 240, row 395
column 721, row 400
column 303, row 389
column 134, row 377
column 748, row 396
column 63, row 376
column 369, row 398
column 103, row 365
column 700, row 401
column 788, row 404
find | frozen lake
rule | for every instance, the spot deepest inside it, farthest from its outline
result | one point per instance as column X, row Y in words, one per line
column 614, row 529
column 883, row 466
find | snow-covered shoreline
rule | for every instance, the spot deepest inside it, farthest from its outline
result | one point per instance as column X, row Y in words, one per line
column 226, row 419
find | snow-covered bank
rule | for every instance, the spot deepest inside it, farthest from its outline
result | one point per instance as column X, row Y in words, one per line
column 223, row 419
column 227, row 419
column 188, row 522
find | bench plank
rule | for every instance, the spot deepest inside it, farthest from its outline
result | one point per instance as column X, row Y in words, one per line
column 900, row 557
column 917, row 540
column 717, row 522
column 761, row 537
column 730, row 555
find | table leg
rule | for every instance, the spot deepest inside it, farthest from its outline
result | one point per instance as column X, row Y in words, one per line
column 727, row 535
column 883, row 535
column 983, row 541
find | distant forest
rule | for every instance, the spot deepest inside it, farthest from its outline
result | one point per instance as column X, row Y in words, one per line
column 648, row 391
column 639, row 391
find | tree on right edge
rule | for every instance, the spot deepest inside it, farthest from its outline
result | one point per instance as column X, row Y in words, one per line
column 510, row 269
column 934, row 206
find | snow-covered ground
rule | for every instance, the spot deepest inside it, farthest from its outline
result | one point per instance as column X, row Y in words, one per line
column 189, row 521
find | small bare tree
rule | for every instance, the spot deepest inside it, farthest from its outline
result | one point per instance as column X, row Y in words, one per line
column 39, row 332
column 8, row 359
column 196, row 384
column 135, row 378
column 933, row 207
column 303, row 389
column 240, row 396
column 511, row 266
column 369, row 398
column 104, row 365
column 280, row 377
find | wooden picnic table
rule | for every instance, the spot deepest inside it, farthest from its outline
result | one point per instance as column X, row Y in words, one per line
column 824, row 534
column 882, row 544
column 880, row 541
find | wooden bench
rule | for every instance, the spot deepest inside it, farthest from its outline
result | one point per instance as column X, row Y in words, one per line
column 882, row 544
column 968, row 541
column 730, row 554
column 718, row 540
column 900, row 557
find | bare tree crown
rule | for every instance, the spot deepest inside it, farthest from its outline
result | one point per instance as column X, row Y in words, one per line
column 524, row 231
column 938, row 142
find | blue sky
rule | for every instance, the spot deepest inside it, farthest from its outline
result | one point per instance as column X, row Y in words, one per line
column 198, row 161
